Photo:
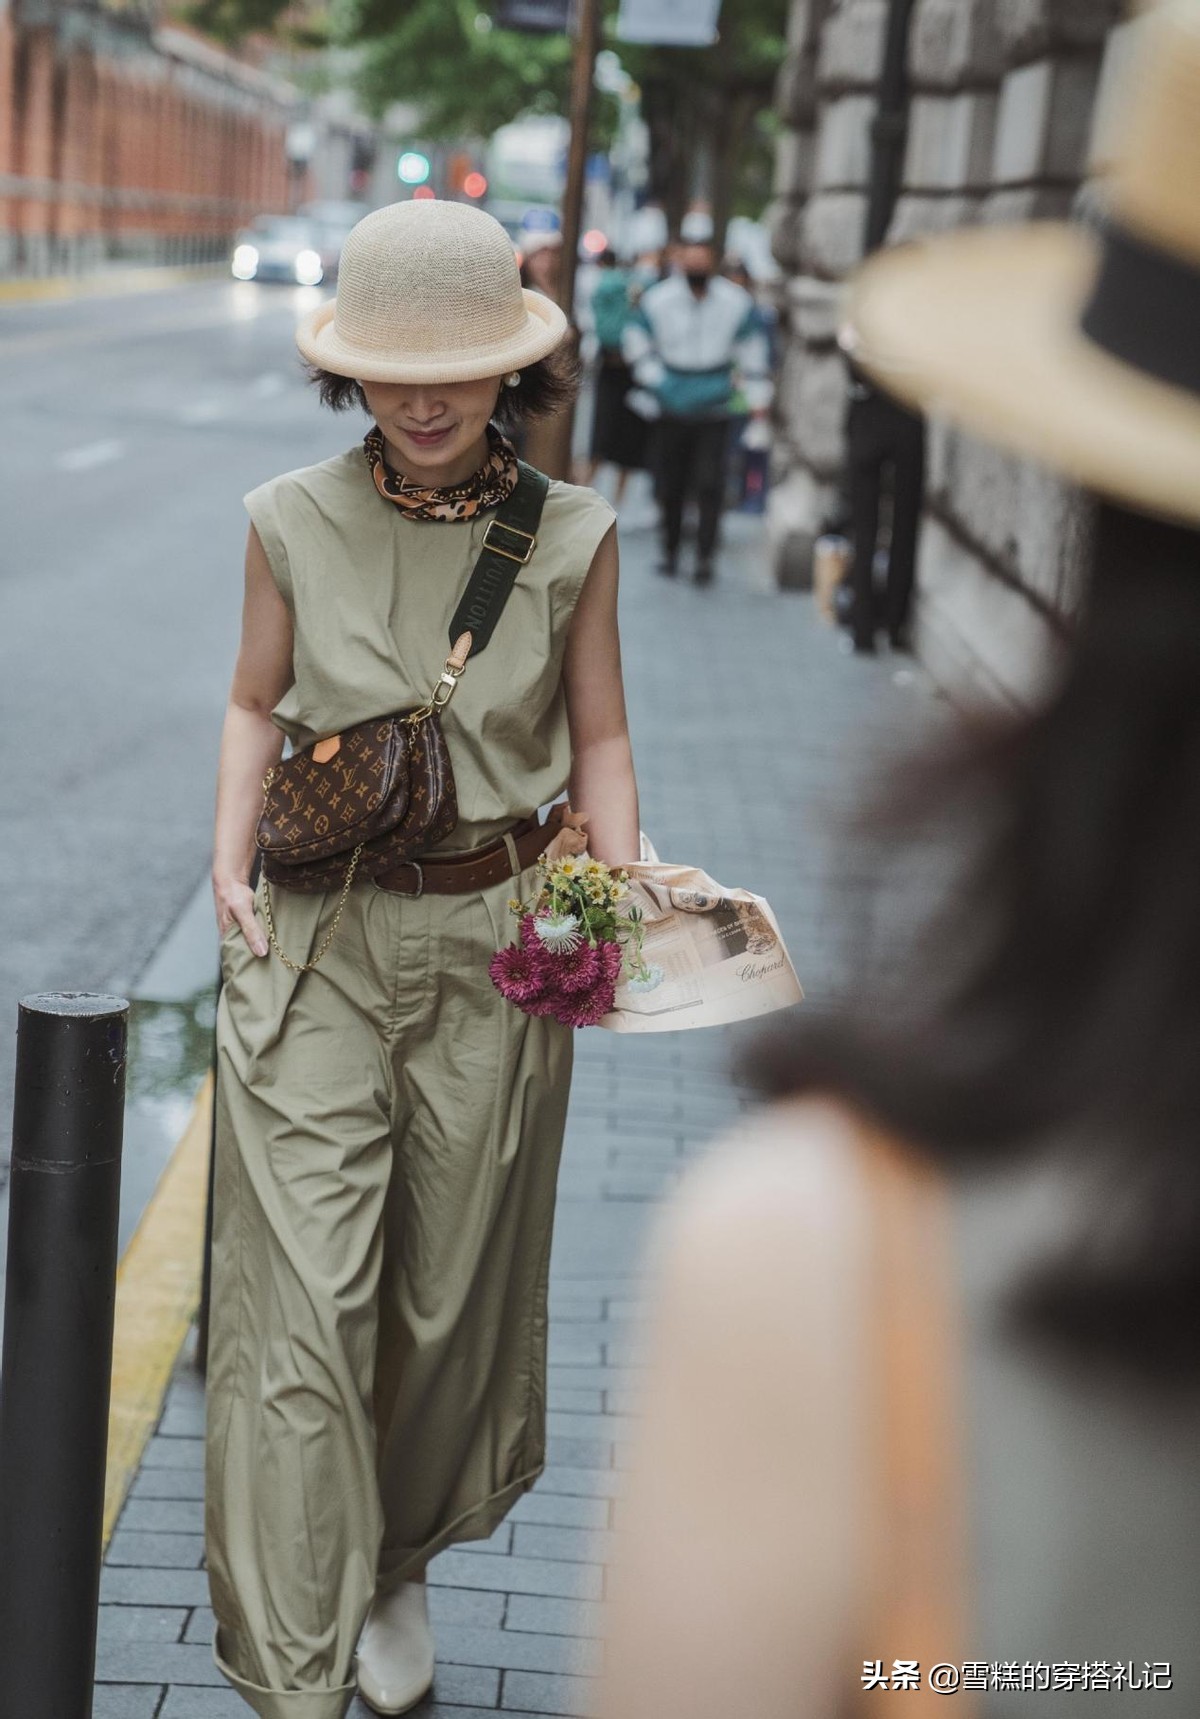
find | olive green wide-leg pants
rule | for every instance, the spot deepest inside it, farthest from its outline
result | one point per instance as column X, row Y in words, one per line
column 387, row 1148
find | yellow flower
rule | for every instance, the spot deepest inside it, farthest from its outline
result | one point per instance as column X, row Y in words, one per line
column 568, row 868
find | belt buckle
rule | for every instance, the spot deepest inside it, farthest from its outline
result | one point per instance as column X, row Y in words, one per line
column 412, row 894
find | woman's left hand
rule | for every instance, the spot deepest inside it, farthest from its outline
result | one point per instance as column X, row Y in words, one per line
column 571, row 837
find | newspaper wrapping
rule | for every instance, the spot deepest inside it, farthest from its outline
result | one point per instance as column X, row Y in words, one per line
column 715, row 954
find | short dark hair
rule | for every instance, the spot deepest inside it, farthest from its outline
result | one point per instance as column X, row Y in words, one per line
column 548, row 385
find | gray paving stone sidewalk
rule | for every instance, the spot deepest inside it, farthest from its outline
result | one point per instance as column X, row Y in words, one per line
column 750, row 732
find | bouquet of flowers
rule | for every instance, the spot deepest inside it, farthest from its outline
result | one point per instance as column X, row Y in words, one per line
column 576, row 935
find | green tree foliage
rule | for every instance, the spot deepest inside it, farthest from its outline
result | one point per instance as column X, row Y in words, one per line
column 716, row 102
column 230, row 21
column 467, row 77
column 471, row 78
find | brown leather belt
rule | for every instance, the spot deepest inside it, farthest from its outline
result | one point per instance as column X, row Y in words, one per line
column 477, row 868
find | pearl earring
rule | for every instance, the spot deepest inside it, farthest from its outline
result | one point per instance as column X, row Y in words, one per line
column 513, row 379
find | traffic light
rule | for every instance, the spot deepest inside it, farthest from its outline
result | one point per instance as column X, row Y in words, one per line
column 413, row 167
column 463, row 177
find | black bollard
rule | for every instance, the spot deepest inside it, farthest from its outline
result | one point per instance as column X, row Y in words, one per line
column 58, row 1328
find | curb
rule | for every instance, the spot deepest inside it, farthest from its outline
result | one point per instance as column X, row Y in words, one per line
column 116, row 283
column 158, row 1292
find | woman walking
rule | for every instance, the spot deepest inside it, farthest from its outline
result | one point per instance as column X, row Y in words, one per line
column 388, row 1129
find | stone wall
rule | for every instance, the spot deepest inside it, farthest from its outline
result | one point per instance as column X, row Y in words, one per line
column 1009, row 114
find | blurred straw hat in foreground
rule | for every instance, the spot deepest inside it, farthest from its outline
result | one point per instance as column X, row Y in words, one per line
column 429, row 291
column 1079, row 347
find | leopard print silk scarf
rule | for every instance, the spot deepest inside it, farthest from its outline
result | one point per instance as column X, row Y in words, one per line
column 486, row 488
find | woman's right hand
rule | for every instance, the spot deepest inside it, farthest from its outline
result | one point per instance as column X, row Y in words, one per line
column 235, row 904
column 250, row 744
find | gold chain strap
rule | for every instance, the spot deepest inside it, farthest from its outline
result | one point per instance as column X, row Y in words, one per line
column 307, row 966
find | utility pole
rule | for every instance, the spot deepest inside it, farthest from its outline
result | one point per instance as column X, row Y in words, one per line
column 548, row 444
column 583, row 75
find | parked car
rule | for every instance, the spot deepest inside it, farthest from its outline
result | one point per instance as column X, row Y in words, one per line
column 287, row 248
column 334, row 217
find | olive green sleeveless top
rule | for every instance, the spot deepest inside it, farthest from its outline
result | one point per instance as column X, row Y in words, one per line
column 371, row 594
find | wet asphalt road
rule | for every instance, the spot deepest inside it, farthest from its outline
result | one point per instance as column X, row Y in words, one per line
column 131, row 427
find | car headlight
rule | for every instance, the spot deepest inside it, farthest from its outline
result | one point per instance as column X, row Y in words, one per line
column 308, row 269
column 245, row 262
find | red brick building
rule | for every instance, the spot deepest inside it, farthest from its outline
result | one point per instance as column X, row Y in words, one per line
column 123, row 136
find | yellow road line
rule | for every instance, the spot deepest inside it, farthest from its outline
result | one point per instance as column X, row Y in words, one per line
column 145, row 279
column 158, row 1291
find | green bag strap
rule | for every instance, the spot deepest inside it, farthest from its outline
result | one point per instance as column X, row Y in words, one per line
column 508, row 543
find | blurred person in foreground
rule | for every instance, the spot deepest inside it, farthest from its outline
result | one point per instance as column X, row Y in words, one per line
column 618, row 434
column 690, row 341
column 923, row 1376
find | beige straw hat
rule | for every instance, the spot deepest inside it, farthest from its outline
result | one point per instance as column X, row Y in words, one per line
column 429, row 291
column 1081, row 348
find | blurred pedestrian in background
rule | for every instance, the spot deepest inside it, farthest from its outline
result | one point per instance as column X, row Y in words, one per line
column 734, row 269
column 885, row 452
column 387, row 1129
column 541, row 262
column 541, row 259
column 750, row 433
column 689, row 340
column 650, row 268
column 618, row 433
column 923, row 1380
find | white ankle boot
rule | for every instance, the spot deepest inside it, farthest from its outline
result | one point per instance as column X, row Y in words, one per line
column 395, row 1651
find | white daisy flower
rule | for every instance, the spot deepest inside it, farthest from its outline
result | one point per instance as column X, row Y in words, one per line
column 650, row 980
column 559, row 931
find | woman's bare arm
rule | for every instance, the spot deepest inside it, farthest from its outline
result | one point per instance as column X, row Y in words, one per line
column 603, row 786
column 738, row 1565
column 250, row 742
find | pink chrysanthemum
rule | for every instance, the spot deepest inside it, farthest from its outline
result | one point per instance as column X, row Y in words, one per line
column 548, row 1003
column 573, row 971
column 585, row 1009
column 576, row 987
column 518, row 974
